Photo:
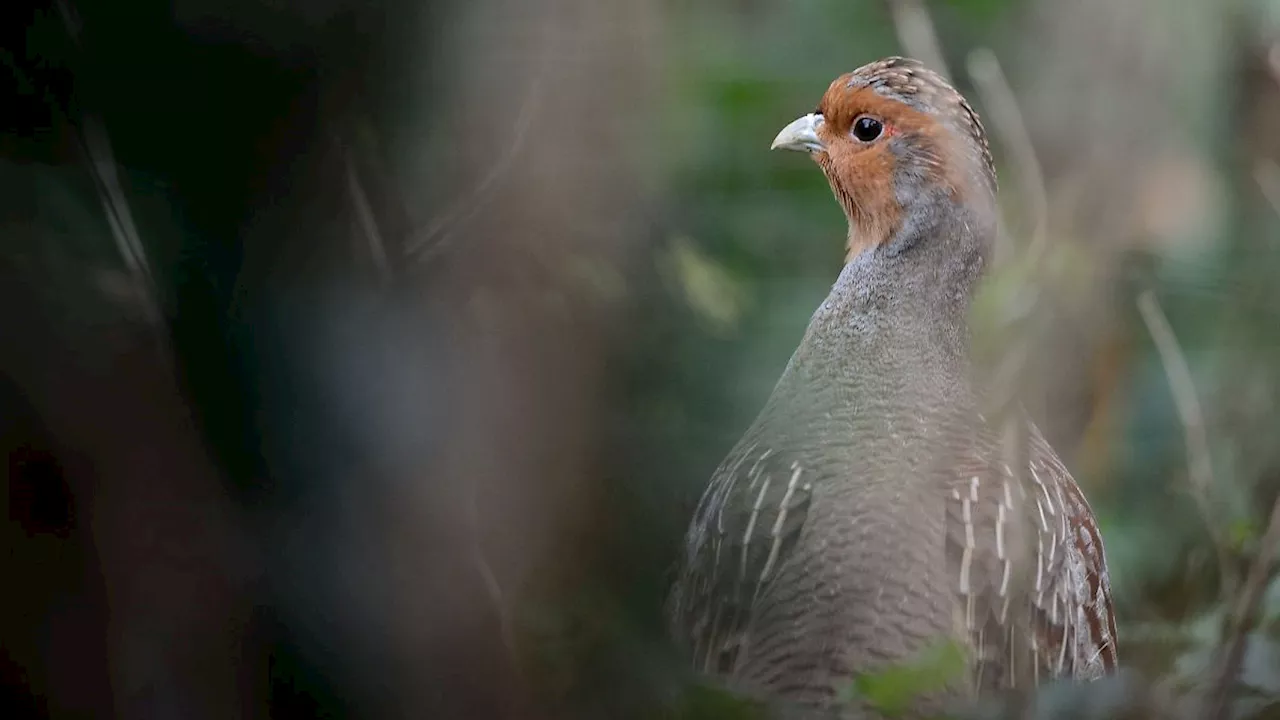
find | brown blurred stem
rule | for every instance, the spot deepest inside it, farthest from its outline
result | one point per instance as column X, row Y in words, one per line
column 1244, row 620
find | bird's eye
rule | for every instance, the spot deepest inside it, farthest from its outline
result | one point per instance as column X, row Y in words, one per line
column 867, row 128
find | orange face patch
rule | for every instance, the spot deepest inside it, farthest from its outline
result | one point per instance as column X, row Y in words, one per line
column 862, row 173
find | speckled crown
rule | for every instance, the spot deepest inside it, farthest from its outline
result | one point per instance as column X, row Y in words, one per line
column 908, row 81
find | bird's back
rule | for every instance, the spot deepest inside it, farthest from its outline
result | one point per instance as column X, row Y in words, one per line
column 810, row 563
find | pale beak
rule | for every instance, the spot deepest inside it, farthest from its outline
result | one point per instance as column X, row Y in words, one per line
column 801, row 134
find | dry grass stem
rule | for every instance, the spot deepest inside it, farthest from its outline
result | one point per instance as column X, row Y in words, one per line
column 1267, row 174
column 917, row 36
column 493, row 589
column 95, row 146
column 1199, row 462
column 1008, row 124
column 364, row 215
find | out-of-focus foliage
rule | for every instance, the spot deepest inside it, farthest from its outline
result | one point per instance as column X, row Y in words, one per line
column 890, row 691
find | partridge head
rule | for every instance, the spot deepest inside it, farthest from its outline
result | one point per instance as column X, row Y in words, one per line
column 868, row 513
column 902, row 151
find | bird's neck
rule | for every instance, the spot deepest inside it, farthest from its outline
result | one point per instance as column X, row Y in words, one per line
column 895, row 321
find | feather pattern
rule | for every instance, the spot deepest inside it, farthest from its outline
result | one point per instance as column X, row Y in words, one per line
column 1026, row 562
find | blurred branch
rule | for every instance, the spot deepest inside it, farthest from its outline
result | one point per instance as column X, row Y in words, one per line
column 1244, row 620
column 1007, row 121
column 1200, row 467
column 917, row 36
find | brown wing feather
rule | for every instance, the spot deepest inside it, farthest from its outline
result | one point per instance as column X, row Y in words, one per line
column 1074, row 614
column 1031, row 577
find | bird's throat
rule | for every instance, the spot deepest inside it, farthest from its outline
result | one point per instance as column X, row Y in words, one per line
column 893, row 315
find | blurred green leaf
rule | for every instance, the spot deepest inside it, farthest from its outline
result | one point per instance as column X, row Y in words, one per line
column 1243, row 533
column 704, row 702
column 891, row 690
column 708, row 287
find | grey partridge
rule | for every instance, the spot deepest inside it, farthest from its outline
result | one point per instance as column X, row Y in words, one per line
column 866, row 514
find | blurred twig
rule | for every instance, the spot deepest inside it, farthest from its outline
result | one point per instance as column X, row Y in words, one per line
column 436, row 239
column 1245, row 618
column 95, row 145
column 1200, row 467
column 102, row 166
column 1273, row 61
column 916, row 34
column 1007, row 121
column 490, row 579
